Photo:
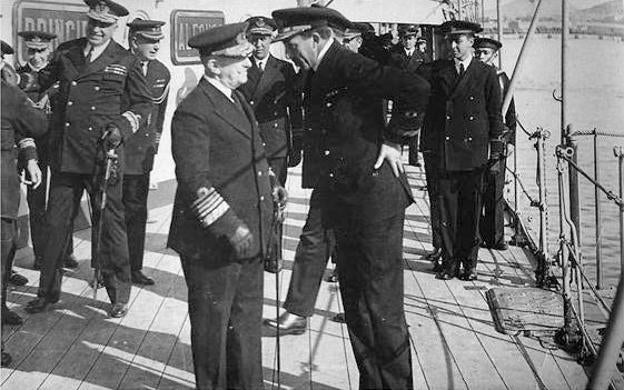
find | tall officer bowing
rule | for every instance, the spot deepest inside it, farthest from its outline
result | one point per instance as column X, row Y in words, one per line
column 463, row 125
column 103, row 99
column 222, row 213
column 363, row 186
column 144, row 39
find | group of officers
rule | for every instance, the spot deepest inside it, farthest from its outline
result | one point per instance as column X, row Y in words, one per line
column 233, row 137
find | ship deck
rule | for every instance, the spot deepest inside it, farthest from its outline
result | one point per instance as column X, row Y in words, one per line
column 454, row 341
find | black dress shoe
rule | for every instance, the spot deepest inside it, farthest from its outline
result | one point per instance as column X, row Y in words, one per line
column 288, row 323
column 470, row 274
column 9, row 317
column 139, row 278
column 333, row 278
column 437, row 266
column 501, row 246
column 434, row 255
column 450, row 270
column 17, row 279
column 38, row 305
column 70, row 262
column 119, row 310
column 6, row 359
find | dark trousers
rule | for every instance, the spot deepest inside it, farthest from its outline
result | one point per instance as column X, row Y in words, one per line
column 492, row 226
column 225, row 309
column 315, row 247
column 433, row 190
column 460, row 211
column 370, row 265
column 135, row 191
column 8, row 234
column 65, row 192
column 413, row 150
column 36, row 198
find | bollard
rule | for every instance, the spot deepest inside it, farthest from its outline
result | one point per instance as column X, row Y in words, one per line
column 598, row 214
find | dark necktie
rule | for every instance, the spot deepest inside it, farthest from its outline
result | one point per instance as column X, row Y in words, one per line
column 237, row 101
column 461, row 69
column 88, row 58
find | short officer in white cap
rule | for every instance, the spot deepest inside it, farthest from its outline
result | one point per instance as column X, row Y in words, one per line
column 103, row 99
column 141, row 148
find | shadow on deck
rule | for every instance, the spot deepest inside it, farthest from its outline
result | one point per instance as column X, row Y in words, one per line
column 454, row 342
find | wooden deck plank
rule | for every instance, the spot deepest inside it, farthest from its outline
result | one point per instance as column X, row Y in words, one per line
column 178, row 373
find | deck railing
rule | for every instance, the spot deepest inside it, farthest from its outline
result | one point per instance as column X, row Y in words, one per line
column 564, row 269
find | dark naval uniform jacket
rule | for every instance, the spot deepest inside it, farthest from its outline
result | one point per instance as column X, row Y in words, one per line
column 401, row 60
column 222, row 175
column 142, row 146
column 29, row 82
column 345, row 128
column 90, row 97
column 271, row 94
column 20, row 124
column 463, row 120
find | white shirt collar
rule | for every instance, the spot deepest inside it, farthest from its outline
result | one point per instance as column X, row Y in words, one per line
column 97, row 51
column 328, row 44
column 32, row 68
column 262, row 63
column 219, row 85
column 409, row 52
column 466, row 63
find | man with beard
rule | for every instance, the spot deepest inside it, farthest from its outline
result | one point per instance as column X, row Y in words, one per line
column 103, row 99
column 362, row 189
column 141, row 148
column 462, row 130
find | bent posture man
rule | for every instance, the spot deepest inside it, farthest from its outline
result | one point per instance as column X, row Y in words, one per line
column 222, row 214
column 363, row 188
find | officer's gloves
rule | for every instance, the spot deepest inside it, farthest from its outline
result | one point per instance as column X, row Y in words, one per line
column 112, row 137
column 241, row 241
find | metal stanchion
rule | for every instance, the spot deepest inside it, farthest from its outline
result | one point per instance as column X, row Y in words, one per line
column 598, row 214
column 612, row 342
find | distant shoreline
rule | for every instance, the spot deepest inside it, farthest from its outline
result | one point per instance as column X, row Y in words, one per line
column 553, row 35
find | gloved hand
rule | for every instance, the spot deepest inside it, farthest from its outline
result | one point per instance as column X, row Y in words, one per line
column 280, row 200
column 242, row 241
column 111, row 137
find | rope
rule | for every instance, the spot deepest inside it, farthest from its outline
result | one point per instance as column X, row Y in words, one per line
column 583, row 133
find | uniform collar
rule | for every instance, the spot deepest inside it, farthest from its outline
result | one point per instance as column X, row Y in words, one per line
column 97, row 51
column 262, row 63
column 324, row 50
column 219, row 85
column 466, row 62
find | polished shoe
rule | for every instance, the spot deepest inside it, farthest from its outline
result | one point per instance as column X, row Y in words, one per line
column 17, row 279
column 501, row 246
column 450, row 270
column 288, row 323
column 139, row 278
column 118, row 310
column 9, row 317
column 333, row 278
column 434, row 255
column 470, row 275
column 340, row 318
column 70, row 262
column 437, row 266
column 38, row 305
column 6, row 359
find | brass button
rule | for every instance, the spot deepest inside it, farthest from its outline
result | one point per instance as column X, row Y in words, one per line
column 327, row 152
column 471, row 98
column 472, row 118
column 70, row 103
column 92, row 108
column 331, row 175
column 448, row 138
column 90, row 128
column 275, row 125
column 66, row 124
column 328, row 104
column 251, row 102
column 74, row 83
column 259, row 173
column 97, row 88
column 262, row 197
column 448, row 117
column 264, row 144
